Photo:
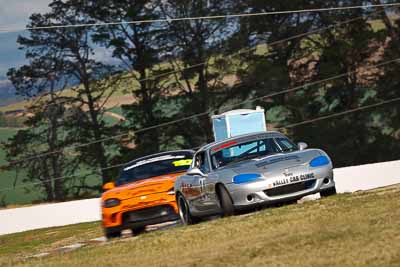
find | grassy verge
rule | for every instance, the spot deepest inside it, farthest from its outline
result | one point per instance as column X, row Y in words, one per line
column 27, row 243
column 347, row 230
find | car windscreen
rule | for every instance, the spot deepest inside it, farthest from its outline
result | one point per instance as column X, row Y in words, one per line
column 153, row 167
column 250, row 150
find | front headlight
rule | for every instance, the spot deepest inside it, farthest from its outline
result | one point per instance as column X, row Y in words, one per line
column 319, row 161
column 112, row 202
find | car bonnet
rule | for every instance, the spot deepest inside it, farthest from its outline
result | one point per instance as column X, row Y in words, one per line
column 276, row 163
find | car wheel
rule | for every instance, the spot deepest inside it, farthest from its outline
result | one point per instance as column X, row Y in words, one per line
column 110, row 234
column 184, row 212
column 225, row 202
column 328, row 192
column 138, row 230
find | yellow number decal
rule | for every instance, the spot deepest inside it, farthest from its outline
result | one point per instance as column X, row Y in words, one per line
column 183, row 162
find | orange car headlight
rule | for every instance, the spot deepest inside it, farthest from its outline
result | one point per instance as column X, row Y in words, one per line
column 112, row 202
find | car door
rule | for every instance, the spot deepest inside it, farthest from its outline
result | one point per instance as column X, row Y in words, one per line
column 188, row 189
column 200, row 202
column 209, row 200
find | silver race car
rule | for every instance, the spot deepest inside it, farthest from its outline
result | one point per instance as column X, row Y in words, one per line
column 251, row 170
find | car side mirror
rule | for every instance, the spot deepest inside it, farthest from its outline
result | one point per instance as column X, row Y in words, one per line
column 108, row 186
column 196, row 171
column 302, row 146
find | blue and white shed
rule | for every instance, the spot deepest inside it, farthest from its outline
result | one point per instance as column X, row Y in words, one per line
column 238, row 122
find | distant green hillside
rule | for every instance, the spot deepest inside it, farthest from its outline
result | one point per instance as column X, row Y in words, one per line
column 7, row 178
column 21, row 196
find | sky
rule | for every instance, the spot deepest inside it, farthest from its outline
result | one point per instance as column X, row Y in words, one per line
column 15, row 13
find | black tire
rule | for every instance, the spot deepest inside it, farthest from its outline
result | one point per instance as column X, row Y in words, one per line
column 184, row 212
column 138, row 230
column 225, row 201
column 328, row 192
column 110, row 234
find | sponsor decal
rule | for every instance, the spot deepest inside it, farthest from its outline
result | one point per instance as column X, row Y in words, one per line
column 287, row 173
column 185, row 185
column 223, row 146
column 294, row 179
column 243, row 140
column 183, row 162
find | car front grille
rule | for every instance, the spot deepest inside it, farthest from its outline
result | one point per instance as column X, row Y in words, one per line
column 148, row 214
column 290, row 189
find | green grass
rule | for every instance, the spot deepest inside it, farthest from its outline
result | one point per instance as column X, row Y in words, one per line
column 346, row 230
column 116, row 110
column 109, row 120
column 6, row 133
column 27, row 243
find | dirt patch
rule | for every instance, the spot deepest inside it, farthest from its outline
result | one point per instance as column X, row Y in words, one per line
column 118, row 101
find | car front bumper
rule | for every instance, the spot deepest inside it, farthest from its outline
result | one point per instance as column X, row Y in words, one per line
column 143, row 211
column 143, row 217
column 266, row 191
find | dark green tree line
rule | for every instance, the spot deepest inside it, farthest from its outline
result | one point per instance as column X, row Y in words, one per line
column 139, row 48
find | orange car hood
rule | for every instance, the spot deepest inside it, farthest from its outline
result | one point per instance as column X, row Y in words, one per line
column 145, row 187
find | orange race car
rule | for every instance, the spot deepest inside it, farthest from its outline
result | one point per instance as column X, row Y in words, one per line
column 144, row 193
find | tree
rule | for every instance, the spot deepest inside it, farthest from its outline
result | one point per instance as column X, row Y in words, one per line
column 388, row 83
column 139, row 47
column 353, row 139
column 349, row 48
column 275, row 60
column 196, row 49
column 45, row 131
column 72, row 50
column 42, row 137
